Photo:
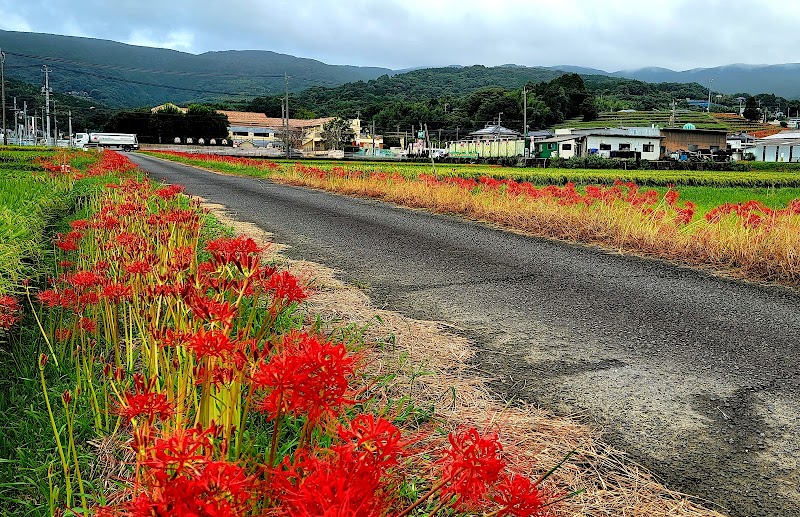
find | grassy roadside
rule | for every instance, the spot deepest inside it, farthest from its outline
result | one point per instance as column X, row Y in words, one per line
column 106, row 375
column 28, row 205
column 32, row 204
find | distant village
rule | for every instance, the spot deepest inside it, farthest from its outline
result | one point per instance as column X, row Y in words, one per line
column 623, row 135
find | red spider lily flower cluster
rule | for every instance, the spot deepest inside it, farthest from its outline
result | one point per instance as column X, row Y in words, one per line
column 373, row 440
column 180, row 476
column 145, row 403
column 307, row 485
column 10, row 311
column 475, row 475
column 178, row 352
column 753, row 214
column 230, row 160
column 307, row 376
column 471, row 464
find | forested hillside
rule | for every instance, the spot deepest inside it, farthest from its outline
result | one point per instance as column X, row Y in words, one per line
column 85, row 113
column 471, row 97
column 129, row 76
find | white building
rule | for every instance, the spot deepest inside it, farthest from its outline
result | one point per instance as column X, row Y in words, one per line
column 628, row 142
column 780, row 147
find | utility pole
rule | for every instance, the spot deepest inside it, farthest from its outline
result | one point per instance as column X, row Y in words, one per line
column 71, row 143
column 672, row 115
column 710, row 82
column 373, row 137
column 25, row 120
column 46, row 90
column 497, row 135
column 457, row 128
column 55, row 123
column 16, row 121
column 3, row 93
column 440, row 138
column 286, row 101
column 525, row 112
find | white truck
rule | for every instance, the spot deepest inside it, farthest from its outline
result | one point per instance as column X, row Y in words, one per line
column 124, row 141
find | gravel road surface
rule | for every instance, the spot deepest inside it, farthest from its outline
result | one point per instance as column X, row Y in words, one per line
column 694, row 376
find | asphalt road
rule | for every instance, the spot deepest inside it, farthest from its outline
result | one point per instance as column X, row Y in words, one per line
column 694, row 376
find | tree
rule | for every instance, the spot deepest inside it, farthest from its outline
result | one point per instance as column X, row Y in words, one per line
column 337, row 132
column 588, row 109
column 751, row 111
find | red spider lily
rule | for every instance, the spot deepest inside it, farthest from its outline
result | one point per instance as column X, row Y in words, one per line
column 307, row 376
column 49, row 298
column 181, row 217
column 181, row 258
column 144, row 402
column 138, row 267
column 184, row 451
column 106, row 222
column 684, row 215
column 63, row 334
column 286, row 287
column 471, row 464
column 210, row 310
column 87, row 299
column 213, row 343
column 671, row 197
column 241, row 252
column 310, row 487
column 116, row 293
column 83, row 280
column 520, row 497
column 373, row 440
column 10, row 310
column 87, row 325
column 222, row 489
column 172, row 338
column 169, row 192
column 66, row 242
column 106, row 511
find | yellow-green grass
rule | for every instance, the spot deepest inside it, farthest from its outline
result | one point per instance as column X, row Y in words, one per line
column 30, row 199
column 781, row 175
column 706, row 189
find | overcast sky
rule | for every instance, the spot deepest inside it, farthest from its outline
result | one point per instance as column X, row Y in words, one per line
column 605, row 34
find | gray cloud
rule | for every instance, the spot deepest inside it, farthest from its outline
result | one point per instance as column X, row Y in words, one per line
column 612, row 35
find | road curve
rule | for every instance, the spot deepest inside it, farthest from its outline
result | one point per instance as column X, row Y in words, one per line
column 694, row 376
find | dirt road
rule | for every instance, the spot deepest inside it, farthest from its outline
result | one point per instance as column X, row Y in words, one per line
column 696, row 377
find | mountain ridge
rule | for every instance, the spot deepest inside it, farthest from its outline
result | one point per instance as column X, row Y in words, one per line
column 95, row 68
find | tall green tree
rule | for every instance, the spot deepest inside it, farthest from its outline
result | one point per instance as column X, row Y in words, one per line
column 751, row 111
column 337, row 132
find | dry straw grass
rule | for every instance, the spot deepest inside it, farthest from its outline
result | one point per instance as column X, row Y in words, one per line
column 764, row 253
column 535, row 439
